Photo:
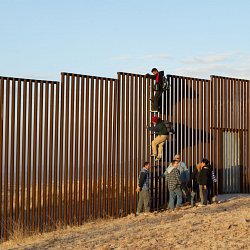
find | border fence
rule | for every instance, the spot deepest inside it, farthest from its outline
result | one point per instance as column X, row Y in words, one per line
column 71, row 151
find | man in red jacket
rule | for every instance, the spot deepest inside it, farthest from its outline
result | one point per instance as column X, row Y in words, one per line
column 158, row 88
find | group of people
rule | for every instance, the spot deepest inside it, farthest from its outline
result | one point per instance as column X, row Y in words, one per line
column 180, row 184
column 179, row 181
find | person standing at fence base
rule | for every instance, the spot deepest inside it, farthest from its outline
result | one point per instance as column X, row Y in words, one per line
column 203, row 181
column 174, row 186
column 143, row 189
column 195, row 188
column 184, row 177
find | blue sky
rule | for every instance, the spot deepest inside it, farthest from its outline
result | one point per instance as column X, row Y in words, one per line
column 41, row 38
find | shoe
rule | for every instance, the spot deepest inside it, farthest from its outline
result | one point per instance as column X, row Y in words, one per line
column 157, row 159
column 186, row 204
column 201, row 205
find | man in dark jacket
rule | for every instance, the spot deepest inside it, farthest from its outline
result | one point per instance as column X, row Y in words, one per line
column 143, row 189
column 162, row 134
column 204, row 180
column 174, row 185
column 195, row 187
column 158, row 88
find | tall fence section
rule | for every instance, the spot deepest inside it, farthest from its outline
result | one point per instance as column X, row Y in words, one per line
column 72, row 151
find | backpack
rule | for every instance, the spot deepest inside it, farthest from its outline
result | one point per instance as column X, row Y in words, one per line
column 166, row 84
column 170, row 127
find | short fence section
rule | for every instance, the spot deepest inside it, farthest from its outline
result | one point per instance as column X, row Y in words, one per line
column 230, row 132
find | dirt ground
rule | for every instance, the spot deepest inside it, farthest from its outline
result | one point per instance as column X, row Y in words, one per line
column 225, row 225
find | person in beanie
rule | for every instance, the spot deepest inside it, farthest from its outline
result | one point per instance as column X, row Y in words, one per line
column 203, row 181
column 158, row 88
column 174, row 185
column 162, row 134
column 143, row 189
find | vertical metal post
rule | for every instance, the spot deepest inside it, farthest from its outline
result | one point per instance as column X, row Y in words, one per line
column 61, row 155
column 34, row 171
column 18, row 146
column 6, row 161
column 81, row 163
column 1, row 146
column 45, row 159
column 76, row 177
column 51, row 136
column 23, row 154
column 56, row 155
column 12, row 155
column 96, row 118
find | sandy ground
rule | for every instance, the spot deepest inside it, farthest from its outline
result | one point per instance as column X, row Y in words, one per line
column 225, row 225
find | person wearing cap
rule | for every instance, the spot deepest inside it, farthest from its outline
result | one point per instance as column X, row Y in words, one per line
column 158, row 88
column 184, row 177
column 162, row 134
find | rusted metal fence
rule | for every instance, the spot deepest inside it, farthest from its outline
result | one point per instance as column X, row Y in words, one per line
column 133, row 139
column 230, row 131
column 26, row 132
column 71, row 151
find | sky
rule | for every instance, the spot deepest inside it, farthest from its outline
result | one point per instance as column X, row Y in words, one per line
column 41, row 38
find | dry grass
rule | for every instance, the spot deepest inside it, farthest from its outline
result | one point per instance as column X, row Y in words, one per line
column 219, row 226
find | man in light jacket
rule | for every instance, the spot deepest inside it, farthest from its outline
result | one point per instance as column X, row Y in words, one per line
column 184, row 177
column 174, row 185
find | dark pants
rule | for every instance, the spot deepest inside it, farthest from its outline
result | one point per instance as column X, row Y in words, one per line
column 155, row 99
column 203, row 195
column 193, row 197
column 194, row 193
column 143, row 200
column 186, row 192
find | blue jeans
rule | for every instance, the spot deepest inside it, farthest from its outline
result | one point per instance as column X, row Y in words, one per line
column 172, row 194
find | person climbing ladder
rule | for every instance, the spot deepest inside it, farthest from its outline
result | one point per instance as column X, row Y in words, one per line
column 162, row 134
column 161, row 84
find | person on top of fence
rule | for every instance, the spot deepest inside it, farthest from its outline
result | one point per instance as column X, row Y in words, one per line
column 161, row 84
column 143, row 189
column 162, row 134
